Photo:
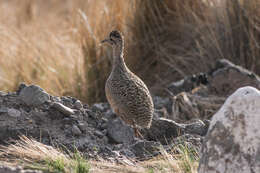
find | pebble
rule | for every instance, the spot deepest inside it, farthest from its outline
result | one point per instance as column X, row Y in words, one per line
column 78, row 105
column 82, row 126
column 75, row 130
column 14, row 112
column 98, row 133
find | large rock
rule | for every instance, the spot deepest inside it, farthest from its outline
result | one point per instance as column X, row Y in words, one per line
column 232, row 143
column 227, row 78
column 165, row 130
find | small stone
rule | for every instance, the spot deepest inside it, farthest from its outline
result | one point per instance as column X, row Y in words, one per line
column 55, row 99
column 63, row 109
column 14, row 112
column 119, row 132
column 100, row 106
column 78, row 105
column 82, row 126
column 104, row 131
column 98, row 133
column 197, row 127
column 105, row 139
column 3, row 93
column 3, row 110
column 33, row 95
column 118, row 147
column 145, row 149
column 127, row 152
column 103, row 126
column 75, row 130
column 66, row 120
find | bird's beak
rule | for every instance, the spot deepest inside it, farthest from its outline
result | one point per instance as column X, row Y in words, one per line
column 107, row 41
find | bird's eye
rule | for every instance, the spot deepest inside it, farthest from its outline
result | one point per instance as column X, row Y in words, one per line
column 115, row 34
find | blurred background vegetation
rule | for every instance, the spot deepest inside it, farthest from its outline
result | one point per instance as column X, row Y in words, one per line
column 56, row 43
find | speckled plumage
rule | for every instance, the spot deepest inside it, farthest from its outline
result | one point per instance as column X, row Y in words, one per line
column 127, row 94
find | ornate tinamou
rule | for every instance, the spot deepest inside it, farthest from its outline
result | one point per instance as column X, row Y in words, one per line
column 127, row 94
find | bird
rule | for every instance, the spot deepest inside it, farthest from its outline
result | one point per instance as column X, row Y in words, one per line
column 126, row 93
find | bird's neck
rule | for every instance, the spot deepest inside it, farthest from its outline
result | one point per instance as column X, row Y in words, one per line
column 118, row 58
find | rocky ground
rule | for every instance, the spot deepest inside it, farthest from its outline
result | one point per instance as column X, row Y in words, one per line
column 183, row 116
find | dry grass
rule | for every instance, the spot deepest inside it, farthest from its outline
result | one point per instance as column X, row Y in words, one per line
column 177, row 38
column 55, row 44
column 31, row 154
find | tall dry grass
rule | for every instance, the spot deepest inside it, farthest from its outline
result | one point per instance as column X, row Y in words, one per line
column 55, row 44
column 179, row 38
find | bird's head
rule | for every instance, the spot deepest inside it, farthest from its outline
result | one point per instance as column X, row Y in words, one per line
column 114, row 38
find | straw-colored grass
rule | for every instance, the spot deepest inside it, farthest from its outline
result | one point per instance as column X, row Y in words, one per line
column 31, row 154
column 55, row 44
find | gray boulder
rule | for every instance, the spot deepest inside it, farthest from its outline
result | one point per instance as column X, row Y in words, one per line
column 232, row 143
column 33, row 95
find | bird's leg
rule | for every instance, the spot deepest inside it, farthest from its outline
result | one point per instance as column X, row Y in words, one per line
column 137, row 132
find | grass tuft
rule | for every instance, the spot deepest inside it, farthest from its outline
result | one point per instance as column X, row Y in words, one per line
column 34, row 155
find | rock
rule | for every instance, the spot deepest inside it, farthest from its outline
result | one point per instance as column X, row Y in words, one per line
column 188, row 83
column 162, row 103
column 98, row 133
column 232, row 143
column 222, row 63
column 105, row 139
column 3, row 110
column 143, row 149
column 163, row 130
column 63, row 109
column 100, row 106
column 82, row 126
column 33, row 95
column 198, row 127
column 188, row 106
column 2, row 93
column 128, row 153
column 119, row 132
column 75, row 130
column 78, row 105
column 227, row 77
column 20, row 87
column 14, row 113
